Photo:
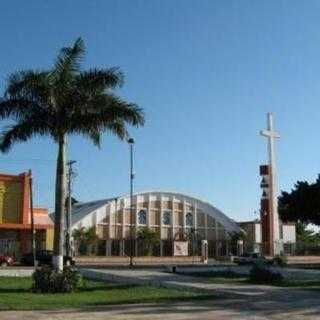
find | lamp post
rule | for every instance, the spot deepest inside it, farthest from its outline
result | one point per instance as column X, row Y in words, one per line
column 131, row 143
column 33, row 231
column 69, row 209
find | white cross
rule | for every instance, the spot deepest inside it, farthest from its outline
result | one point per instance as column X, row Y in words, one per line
column 271, row 135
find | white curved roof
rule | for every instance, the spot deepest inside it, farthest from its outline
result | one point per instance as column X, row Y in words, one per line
column 206, row 207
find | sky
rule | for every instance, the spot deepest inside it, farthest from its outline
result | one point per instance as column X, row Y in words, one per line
column 205, row 72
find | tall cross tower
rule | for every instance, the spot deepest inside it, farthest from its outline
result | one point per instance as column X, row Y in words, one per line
column 271, row 244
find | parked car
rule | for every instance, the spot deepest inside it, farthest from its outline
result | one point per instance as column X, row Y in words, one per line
column 43, row 257
column 6, row 261
column 251, row 258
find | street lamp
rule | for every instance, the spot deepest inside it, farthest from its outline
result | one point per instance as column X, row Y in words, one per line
column 71, row 173
column 131, row 143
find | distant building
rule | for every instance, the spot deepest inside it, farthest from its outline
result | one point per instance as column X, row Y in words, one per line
column 169, row 214
column 253, row 241
column 15, row 218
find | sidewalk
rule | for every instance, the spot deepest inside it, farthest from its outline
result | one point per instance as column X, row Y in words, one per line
column 167, row 279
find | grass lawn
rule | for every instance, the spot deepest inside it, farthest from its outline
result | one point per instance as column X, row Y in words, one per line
column 15, row 294
column 284, row 283
column 240, row 280
column 315, row 284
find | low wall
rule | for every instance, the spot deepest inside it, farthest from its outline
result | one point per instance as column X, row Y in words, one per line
column 16, row 272
column 143, row 261
column 288, row 273
column 303, row 259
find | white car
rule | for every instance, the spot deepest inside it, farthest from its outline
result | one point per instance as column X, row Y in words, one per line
column 251, row 258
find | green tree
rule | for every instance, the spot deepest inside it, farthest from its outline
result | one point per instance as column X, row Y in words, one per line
column 302, row 203
column 149, row 238
column 91, row 239
column 86, row 239
column 307, row 236
column 308, row 241
column 61, row 101
column 78, row 236
column 234, row 238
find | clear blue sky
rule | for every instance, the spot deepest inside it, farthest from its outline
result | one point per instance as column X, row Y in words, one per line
column 206, row 73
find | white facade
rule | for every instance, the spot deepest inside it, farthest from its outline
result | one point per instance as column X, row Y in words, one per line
column 168, row 213
column 258, row 236
column 289, row 233
column 253, row 231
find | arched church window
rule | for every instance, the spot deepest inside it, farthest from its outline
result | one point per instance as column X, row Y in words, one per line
column 166, row 218
column 142, row 217
column 189, row 219
column 211, row 222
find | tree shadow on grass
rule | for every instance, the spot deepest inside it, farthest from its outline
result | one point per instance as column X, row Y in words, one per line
column 268, row 304
column 135, row 305
column 85, row 288
column 203, row 297
column 15, row 290
column 104, row 287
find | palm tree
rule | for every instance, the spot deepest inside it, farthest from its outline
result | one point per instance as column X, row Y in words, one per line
column 62, row 101
column 149, row 238
column 85, row 238
column 79, row 236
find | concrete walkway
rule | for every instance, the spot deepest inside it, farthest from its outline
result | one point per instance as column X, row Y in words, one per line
column 233, row 301
column 173, row 280
column 170, row 280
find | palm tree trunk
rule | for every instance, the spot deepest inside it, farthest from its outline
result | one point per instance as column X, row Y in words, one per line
column 60, row 197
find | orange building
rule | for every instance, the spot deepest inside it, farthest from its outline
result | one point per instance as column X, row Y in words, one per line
column 15, row 217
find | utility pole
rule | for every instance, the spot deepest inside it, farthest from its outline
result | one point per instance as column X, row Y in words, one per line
column 131, row 143
column 69, row 209
column 33, row 235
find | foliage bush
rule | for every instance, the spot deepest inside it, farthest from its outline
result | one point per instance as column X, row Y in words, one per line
column 86, row 240
column 48, row 280
column 217, row 274
column 280, row 260
column 263, row 274
column 148, row 238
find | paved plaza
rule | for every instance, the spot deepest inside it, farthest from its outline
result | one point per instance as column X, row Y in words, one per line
column 164, row 278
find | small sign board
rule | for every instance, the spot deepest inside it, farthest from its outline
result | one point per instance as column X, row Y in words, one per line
column 180, row 248
column 204, row 251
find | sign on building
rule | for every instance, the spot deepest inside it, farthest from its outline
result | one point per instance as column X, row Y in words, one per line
column 180, row 248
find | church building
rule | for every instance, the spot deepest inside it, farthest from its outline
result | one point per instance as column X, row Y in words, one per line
column 171, row 215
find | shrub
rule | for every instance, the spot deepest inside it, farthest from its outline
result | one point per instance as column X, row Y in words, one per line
column 49, row 280
column 263, row 274
column 280, row 260
column 222, row 274
column 148, row 239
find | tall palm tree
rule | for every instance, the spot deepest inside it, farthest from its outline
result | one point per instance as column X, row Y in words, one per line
column 61, row 101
